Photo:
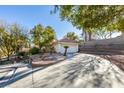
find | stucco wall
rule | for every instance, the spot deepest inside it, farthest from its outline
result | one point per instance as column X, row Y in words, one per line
column 117, row 40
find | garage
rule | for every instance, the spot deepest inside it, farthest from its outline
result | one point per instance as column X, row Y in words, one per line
column 72, row 46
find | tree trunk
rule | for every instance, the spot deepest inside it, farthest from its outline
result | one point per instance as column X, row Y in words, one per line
column 90, row 35
column 110, row 34
column 40, row 46
column 0, row 59
column 8, row 57
column 85, row 36
column 122, row 33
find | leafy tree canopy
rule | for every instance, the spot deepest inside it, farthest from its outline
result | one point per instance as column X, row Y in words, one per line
column 12, row 39
column 71, row 35
column 93, row 18
column 43, row 36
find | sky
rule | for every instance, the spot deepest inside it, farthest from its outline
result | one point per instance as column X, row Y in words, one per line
column 29, row 16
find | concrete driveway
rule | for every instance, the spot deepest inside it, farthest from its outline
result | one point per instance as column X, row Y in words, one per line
column 82, row 70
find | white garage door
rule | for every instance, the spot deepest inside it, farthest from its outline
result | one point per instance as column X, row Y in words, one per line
column 71, row 49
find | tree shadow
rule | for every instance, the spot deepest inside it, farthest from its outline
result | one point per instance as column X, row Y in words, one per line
column 110, row 56
column 86, row 71
column 116, row 61
column 22, row 74
column 19, row 75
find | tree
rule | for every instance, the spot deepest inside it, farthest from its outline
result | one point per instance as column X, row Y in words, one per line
column 48, row 37
column 103, row 34
column 43, row 36
column 19, row 39
column 71, row 35
column 120, row 25
column 1, row 41
column 6, row 45
column 6, row 42
column 11, row 39
column 90, row 17
column 1, row 54
column 37, row 35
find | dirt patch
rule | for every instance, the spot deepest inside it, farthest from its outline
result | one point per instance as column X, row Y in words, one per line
column 115, row 56
column 116, row 59
column 46, row 59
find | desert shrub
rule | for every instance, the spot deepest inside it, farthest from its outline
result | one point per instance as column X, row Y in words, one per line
column 34, row 50
column 22, row 54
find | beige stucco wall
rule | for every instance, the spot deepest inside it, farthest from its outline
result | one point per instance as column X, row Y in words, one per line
column 117, row 40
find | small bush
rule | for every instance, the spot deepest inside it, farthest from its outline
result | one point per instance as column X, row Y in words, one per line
column 22, row 54
column 34, row 50
column 66, row 47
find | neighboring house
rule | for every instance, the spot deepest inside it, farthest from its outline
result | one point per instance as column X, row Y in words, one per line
column 72, row 46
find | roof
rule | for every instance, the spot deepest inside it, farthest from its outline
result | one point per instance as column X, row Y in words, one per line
column 68, row 40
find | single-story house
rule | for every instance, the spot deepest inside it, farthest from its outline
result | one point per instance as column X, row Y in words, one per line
column 72, row 46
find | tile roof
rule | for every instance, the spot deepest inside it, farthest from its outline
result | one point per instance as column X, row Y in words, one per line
column 68, row 40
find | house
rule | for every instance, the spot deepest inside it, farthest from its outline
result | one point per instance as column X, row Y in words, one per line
column 72, row 46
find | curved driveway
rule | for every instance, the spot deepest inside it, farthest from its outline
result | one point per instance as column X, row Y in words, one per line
column 82, row 70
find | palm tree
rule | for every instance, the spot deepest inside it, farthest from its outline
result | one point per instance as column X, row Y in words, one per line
column 71, row 35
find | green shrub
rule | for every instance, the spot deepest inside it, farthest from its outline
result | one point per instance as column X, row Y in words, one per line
column 34, row 50
column 22, row 54
column 66, row 47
